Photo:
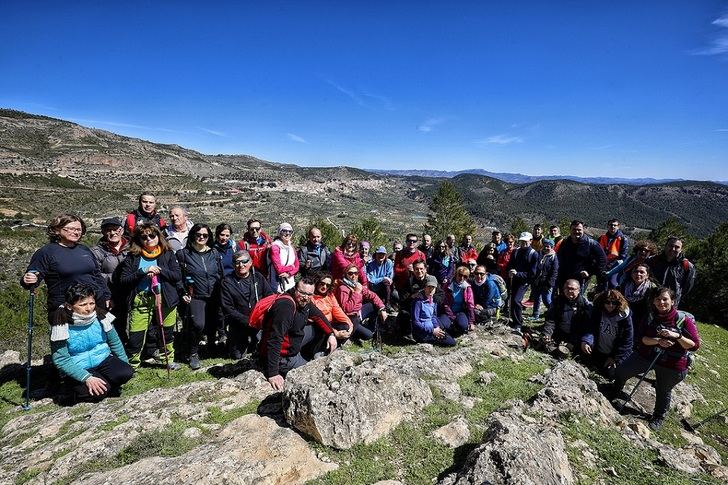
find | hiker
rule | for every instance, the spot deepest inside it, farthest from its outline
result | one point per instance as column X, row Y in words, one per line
column 638, row 290
column 225, row 247
column 504, row 256
column 608, row 340
column 426, row 247
column 145, row 212
column 202, row 271
column 459, row 302
column 538, row 238
column 544, row 281
column 615, row 245
column 62, row 262
column 568, row 318
column 359, row 303
column 291, row 325
column 427, row 326
column 396, row 248
column 521, row 271
column 109, row 252
column 415, row 284
column 284, row 262
column 380, row 274
column 672, row 269
column 150, row 256
column 178, row 229
column 325, row 301
column 555, row 234
column 486, row 295
column 671, row 332
column 642, row 251
column 580, row 257
column 314, row 256
column 365, row 248
column 257, row 243
column 404, row 261
column 487, row 257
column 442, row 264
column 497, row 240
column 86, row 349
column 239, row 292
column 466, row 251
column 344, row 255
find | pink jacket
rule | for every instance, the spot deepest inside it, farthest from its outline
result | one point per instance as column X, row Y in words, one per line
column 339, row 262
column 352, row 300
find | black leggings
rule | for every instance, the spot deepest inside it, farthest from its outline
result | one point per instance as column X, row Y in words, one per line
column 114, row 371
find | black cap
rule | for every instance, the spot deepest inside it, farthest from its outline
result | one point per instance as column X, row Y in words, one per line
column 111, row 221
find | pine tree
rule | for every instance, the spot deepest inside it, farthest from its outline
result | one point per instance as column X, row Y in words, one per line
column 448, row 214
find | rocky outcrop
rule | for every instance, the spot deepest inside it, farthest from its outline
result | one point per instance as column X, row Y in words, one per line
column 346, row 398
column 515, row 453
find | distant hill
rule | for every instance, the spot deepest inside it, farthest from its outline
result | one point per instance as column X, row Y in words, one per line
column 48, row 165
column 518, row 178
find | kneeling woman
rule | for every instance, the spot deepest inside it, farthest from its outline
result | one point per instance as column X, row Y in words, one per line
column 150, row 260
column 359, row 303
column 426, row 325
column 86, row 349
column 608, row 341
column 325, row 301
column 668, row 335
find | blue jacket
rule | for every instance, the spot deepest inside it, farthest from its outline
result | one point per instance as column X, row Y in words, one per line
column 226, row 256
column 486, row 295
column 424, row 317
column 524, row 261
column 377, row 272
column 437, row 268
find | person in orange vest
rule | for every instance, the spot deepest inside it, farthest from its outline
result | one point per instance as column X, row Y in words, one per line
column 615, row 246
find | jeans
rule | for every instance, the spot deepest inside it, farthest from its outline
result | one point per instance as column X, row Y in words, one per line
column 539, row 295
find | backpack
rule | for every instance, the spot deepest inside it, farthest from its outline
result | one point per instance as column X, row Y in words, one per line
column 501, row 284
column 260, row 310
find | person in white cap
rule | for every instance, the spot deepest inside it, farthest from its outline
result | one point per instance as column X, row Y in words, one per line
column 521, row 271
column 283, row 260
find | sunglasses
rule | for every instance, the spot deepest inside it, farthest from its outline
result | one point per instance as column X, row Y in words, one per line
column 241, row 262
column 286, row 232
column 352, row 272
column 200, row 235
column 479, row 273
column 256, row 229
column 303, row 293
column 324, row 283
column 147, row 237
column 411, row 241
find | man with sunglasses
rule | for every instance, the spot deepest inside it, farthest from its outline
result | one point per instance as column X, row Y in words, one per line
column 404, row 260
column 239, row 292
column 568, row 318
column 294, row 331
column 257, row 243
column 486, row 295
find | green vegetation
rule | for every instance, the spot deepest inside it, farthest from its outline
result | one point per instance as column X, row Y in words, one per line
column 27, row 475
column 218, row 416
column 448, row 214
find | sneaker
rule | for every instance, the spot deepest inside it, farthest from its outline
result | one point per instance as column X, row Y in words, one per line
column 174, row 366
column 656, row 423
column 194, row 362
column 222, row 340
column 155, row 359
column 236, row 354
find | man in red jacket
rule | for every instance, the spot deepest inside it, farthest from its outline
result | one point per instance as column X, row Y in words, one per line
column 257, row 243
column 404, row 259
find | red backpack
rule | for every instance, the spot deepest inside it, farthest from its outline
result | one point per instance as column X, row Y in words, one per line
column 260, row 310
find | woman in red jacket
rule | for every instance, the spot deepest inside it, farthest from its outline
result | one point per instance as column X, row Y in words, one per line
column 358, row 302
column 346, row 254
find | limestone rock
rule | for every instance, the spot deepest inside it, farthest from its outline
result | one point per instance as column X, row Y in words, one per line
column 346, row 399
column 250, row 449
column 515, row 453
column 9, row 358
column 486, row 377
column 453, row 434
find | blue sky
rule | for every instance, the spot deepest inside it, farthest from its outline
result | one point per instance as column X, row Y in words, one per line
column 629, row 89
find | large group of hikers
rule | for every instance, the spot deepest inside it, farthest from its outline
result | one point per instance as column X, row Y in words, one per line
column 114, row 306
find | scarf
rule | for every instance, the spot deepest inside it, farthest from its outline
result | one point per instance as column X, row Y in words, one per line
column 79, row 319
column 633, row 293
column 152, row 253
column 667, row 319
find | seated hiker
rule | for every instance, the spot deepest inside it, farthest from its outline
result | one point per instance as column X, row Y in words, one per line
column 239, row 292
column 459, row 302
column 669, row 335
column 360, row 304
column 486, row 295
column 427, row 326
column 293, row 327
column 86, row 349
column 414, row 284
column 568, row 318
column 325, row 301
column 608, row 340
column 380, row 274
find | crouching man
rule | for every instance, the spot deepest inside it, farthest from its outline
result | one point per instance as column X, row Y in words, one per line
column 293, row 326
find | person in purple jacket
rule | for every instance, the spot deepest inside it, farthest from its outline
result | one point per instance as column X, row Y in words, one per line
column 427, row 327
column 674, row 335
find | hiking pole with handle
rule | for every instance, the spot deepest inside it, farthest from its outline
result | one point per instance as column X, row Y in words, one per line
column 693, row 427
column 658, row 353
column 28, row 365
column 157, row 290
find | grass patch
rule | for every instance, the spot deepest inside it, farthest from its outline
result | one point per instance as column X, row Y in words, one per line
column 27, row 475
column 218, row 416
column 113, row 424
column 631, row 464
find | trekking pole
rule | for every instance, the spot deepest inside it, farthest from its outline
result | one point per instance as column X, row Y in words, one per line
column 693, row 427
column 28, row 365
column 658, row 353
column 158, row 304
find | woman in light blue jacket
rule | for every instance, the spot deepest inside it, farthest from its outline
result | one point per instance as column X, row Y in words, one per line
column 86, row 349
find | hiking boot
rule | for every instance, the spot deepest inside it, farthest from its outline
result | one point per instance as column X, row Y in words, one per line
column 236, row 355
column 174, row 366
column 194, row 362
column 409, row 339
column 656, row 423
column 155, row 359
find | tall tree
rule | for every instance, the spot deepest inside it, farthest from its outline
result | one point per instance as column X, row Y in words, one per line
column 448, row 214
column 369, row 229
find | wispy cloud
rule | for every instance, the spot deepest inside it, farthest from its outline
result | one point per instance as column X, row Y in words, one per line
column 119, row 124
column 719, row 44
column 429, row 124
column 602, row 147
column 296, row 138
column 363, row 98
column 722, row 130
column 502, row 139
column 212, row 132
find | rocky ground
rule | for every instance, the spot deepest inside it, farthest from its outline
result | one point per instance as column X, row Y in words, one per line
column 338, row 417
